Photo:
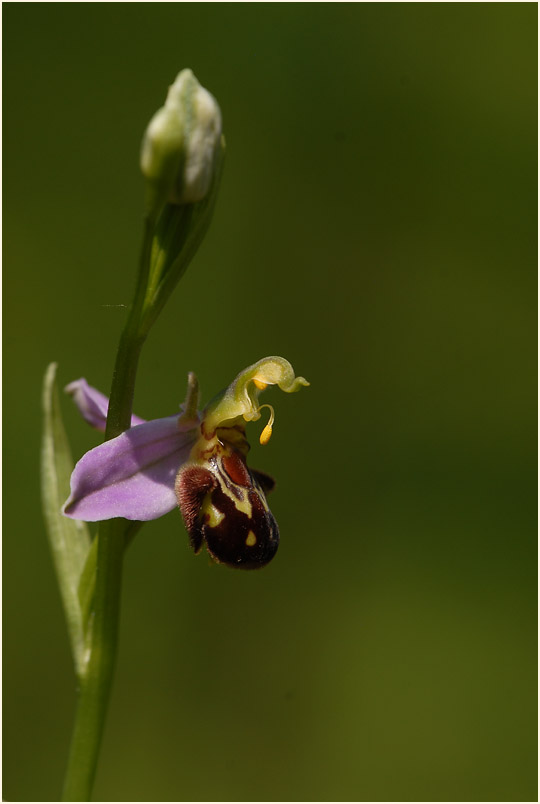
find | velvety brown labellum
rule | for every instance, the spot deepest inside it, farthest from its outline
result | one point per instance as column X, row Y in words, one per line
column 223, row 504
column 192, row 486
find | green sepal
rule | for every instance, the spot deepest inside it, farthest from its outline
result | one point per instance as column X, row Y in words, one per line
column 69, row 539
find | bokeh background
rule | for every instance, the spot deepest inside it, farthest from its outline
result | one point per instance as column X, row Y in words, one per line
column 376, row 225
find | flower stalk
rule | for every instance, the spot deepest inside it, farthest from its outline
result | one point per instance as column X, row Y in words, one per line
column 193, row 460
column 191, row 143
column 95, row 681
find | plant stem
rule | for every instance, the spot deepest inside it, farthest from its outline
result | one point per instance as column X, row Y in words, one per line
column 102, row 634
column 95, row 685
column 129, row 348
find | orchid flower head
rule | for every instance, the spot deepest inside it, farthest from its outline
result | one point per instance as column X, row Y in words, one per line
column 196, row 461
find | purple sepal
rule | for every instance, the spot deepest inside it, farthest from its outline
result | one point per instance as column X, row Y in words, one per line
column 92, row 404
column 131, row 476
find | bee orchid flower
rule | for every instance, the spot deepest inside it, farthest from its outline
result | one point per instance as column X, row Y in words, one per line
column 196, row 461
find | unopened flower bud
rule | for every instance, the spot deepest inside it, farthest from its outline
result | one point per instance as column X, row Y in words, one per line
column 181, row 143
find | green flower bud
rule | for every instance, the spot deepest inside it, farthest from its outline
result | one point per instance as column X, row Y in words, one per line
column 181, row 144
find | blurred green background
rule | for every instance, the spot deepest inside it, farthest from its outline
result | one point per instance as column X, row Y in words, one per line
column 376, row 225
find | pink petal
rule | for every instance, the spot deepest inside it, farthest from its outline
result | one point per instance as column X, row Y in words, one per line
column 92, row 404
column 131, row 476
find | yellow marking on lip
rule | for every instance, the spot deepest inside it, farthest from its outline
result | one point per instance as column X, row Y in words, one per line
column 260, row 384
column 251, row 539
column 215, row 517
column 243, row 505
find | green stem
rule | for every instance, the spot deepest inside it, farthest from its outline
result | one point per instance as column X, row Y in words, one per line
column 129, row 348
column 102, row 636
column 93, row 694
